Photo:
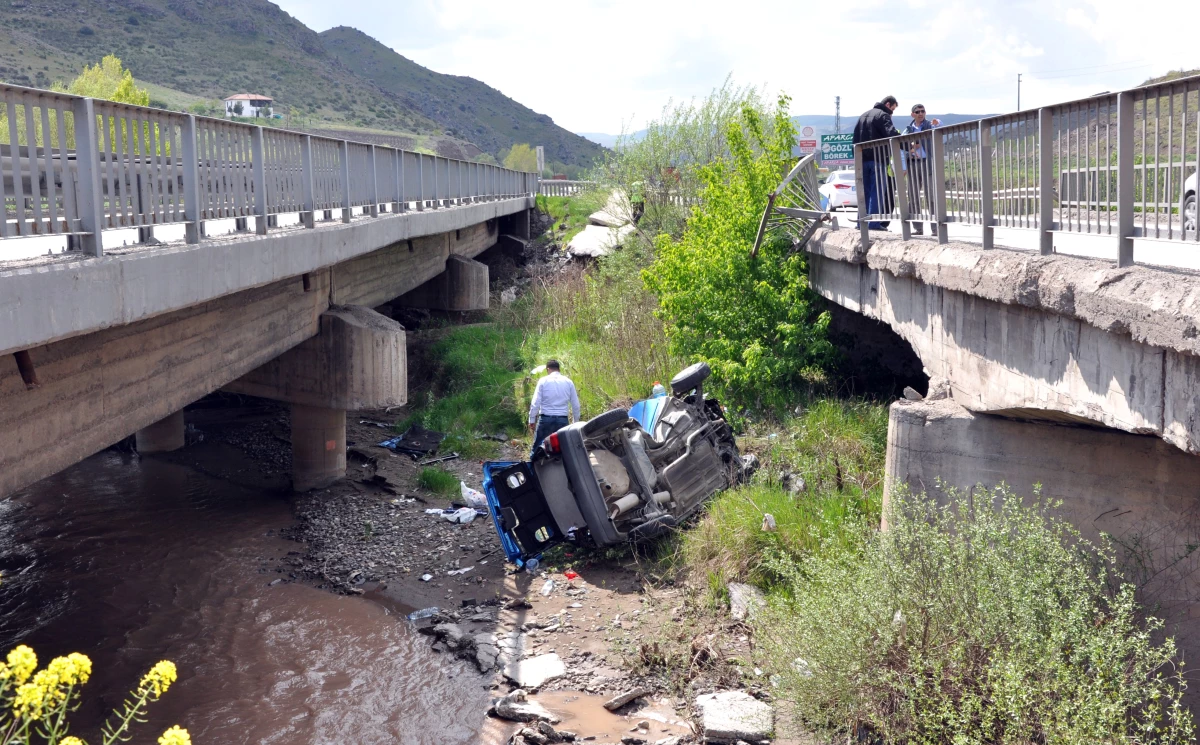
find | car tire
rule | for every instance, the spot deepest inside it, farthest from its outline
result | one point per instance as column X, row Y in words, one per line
column 1189, row 206
column 690, row 377
column 606, row 421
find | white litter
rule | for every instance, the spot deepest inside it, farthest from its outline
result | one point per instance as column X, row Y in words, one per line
column 426, row 577
column 548, row 588
column 472, row 497
column 464, row 570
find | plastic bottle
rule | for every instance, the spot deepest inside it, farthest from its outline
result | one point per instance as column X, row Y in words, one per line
column 657, row 390
column 417, row 615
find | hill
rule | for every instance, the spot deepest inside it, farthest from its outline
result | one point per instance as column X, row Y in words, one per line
column 195, row 51
column 463, row 106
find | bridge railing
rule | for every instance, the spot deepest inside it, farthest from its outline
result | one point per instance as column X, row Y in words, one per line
column 77, row 166
column 563, row 188
column 1119, row 166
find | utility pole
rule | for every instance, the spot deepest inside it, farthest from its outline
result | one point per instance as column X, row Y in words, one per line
column 837, row 115
column 1018, row 91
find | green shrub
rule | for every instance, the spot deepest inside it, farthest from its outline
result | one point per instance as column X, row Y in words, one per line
column 984, row 621
column 438, row 481
column 753, row 320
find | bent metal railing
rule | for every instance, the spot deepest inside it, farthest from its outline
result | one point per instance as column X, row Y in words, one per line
column 1120, row 166
column 78, row 166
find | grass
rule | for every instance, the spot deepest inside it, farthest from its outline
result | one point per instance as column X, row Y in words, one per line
column 475, row 375
column 438, row 481
column 571, row 213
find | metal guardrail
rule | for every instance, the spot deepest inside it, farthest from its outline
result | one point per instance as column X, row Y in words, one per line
column 79, row 166
column 1113, row 165
column 563, row 188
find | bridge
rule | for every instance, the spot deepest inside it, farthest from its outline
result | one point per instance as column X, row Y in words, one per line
column 1056, row 312
column 149, row 258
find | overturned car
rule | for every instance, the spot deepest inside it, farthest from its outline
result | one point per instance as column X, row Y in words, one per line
column 624, row 475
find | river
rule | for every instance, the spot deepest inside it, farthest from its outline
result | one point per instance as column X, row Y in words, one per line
column 131, row 560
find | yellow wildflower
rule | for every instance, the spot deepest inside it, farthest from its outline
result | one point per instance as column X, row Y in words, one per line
column 74, row 669
column 29, row 701
column 71, row 740
column 158, row 680
column 22, row 661
column 175, row 736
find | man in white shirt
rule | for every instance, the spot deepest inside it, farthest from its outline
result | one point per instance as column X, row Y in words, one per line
column 551, row 399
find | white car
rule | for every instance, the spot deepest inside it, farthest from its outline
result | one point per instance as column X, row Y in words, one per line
column 839, row 191
column 1187, row 204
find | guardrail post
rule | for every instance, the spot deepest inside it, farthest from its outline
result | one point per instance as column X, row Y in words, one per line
column 90, row 199
column 309, row 216
column 401, row 203
column 938, row 163
column 191, row 181
column 435, row 183
column 374, row 186
column 347, row 203
column 987, row 195
column 420, row 182
column 1046, row 180
column 258, row 154
column 859, row 187
column 1125, row 176
column 901, row 188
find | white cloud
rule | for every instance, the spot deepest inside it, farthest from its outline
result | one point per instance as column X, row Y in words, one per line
column 594, row 65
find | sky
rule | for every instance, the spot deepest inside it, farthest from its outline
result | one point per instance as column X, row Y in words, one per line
column 611, row 65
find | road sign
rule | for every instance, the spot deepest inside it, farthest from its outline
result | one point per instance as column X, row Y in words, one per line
column 808, row 146
column 807, row 132
column 837, row 150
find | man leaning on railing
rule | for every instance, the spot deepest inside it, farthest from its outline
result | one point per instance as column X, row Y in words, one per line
column 875, row 124
column 918, row 167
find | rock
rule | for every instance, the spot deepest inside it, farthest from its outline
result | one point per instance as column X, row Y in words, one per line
column 487, row 652
column 939, row 389
column 516, row 707
column 744, row 600
column 672, row 740
column 912, row 395
column 729, row 716
column 451, row 634
column 534, row 671
column 644, row 724
column 596, row 241
column 509, row 296
column 616, row 702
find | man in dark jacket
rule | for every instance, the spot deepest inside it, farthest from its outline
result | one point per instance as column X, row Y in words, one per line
column 875, row 124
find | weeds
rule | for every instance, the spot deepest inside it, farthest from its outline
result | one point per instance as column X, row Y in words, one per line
column 438, row 481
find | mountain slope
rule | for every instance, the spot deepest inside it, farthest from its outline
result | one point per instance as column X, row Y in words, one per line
column 463, row 106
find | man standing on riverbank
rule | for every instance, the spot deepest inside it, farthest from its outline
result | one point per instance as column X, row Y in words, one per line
column 554, row 394
column 875, row 124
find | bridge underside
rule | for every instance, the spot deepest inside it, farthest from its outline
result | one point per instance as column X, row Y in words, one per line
column 92, row 390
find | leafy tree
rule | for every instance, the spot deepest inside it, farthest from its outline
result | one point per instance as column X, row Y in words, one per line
column 237, row 108
column 521, row 157
column 107, row 80
column 753, row 320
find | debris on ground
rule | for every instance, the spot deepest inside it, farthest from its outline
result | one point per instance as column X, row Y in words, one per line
column 416, row 442
column 534, row 671
column 730, row 716
column 518, row 707
column 744, row 600
column 616, row 702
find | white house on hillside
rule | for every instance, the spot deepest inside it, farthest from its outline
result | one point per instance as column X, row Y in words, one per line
column 251, row 104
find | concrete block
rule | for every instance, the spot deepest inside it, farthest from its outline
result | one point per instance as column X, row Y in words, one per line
column 358, row 360
column 462, row 286
column 733, row 716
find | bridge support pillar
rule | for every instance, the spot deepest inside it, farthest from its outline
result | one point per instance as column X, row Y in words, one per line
column 163, row 436
column 318, row 446
column 356, row 361
column 462, row 286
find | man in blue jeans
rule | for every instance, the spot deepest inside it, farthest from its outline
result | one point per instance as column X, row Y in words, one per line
column 554, row 395
column 875, row 124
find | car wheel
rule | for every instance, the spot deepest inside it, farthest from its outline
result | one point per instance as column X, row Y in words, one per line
column 690, row 377
column 605, row 422
column 1189, row 214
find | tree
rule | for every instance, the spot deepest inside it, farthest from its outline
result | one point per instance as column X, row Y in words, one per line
column 107, row 80
column 753, row 320
column 522, row 157
column 237, row 108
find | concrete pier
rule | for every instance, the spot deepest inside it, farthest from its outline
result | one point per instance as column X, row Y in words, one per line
column 318, row 446
column 463, row 286
column 163, row 436
column 356, row 361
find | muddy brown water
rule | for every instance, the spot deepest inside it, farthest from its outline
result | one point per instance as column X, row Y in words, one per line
column 131, row 560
